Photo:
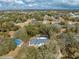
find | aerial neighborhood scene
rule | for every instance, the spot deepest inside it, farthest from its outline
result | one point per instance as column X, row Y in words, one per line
column 39, row 29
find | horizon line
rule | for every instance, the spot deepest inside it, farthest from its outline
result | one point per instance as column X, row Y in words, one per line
column 40, row 10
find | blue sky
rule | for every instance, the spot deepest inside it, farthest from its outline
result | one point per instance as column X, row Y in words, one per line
column 39, row 4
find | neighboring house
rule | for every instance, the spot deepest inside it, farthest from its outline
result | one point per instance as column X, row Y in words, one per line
column 55, row 19
column 24, row 23
column 38, row 41
column 77, row 38
column 11, row 34
column 3, row 30
column 70, row 22
column 45, row 21
column 33, row 21
column 46, row 17
column 52, row 19
column 74, row 15
column 1, row 39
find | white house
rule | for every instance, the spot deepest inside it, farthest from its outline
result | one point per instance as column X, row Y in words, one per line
column 38, row 41
column 74, row 15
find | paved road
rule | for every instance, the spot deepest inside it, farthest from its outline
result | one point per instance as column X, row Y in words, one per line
column 6, row 57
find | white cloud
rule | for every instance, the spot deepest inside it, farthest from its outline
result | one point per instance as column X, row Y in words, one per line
column 19, row 2
column 29, row 0
column 40, row 3
column 13, row 1
column 0, row 5
column 7, row 0
column 31, row 5
column 65, row 2
column 70, row 2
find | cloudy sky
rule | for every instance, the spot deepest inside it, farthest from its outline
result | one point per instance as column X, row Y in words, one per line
column 39, row 4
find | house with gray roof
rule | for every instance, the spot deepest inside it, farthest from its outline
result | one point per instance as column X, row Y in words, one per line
column 38, row 41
